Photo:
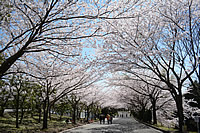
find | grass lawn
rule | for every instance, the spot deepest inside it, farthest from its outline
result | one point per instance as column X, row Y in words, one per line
column 31, row 125
column 164, row 128
column 168, row 129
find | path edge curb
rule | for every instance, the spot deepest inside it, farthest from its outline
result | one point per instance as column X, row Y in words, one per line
column 164, row 131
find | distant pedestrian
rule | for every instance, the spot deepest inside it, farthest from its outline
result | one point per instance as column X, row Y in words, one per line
column 67, row 120
column 102, row 118
column 108, row 118
column 111, row 119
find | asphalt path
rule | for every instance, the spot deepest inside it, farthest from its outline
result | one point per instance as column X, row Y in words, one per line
column 120, row 125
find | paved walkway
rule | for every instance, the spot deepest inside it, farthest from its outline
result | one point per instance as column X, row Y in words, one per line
column 120, row 125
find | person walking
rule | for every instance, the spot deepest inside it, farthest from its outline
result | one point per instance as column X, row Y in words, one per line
column 108, row 118
column 111, row 119
column 102, row 118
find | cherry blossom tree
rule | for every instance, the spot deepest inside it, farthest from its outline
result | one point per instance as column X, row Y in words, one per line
column 92, row 98
column 146, row 89
column 58, row 27
column 74, row 101
column 163, row 39
column 20, row 90
column 137, row 103
column 6, row 9
column 58, row 78
column 56, row 88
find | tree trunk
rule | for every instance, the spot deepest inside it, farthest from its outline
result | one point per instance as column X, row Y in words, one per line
column 40, row 114
column 74, row 114
column 17, row 111
column 154, row 112
column 2, row 111
column 11, row 60
column 32, row 112
column 61, row 116
column 49, row 113
column 88, row 113
column 45, row 115
column 77, row 114
column 46, row 108
column 22, row 116
column 22, row 111
column 179, row 105
column 142, row 115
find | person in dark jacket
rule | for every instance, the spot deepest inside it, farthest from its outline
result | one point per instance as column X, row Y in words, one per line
column 102, row 118
column 111, row 119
